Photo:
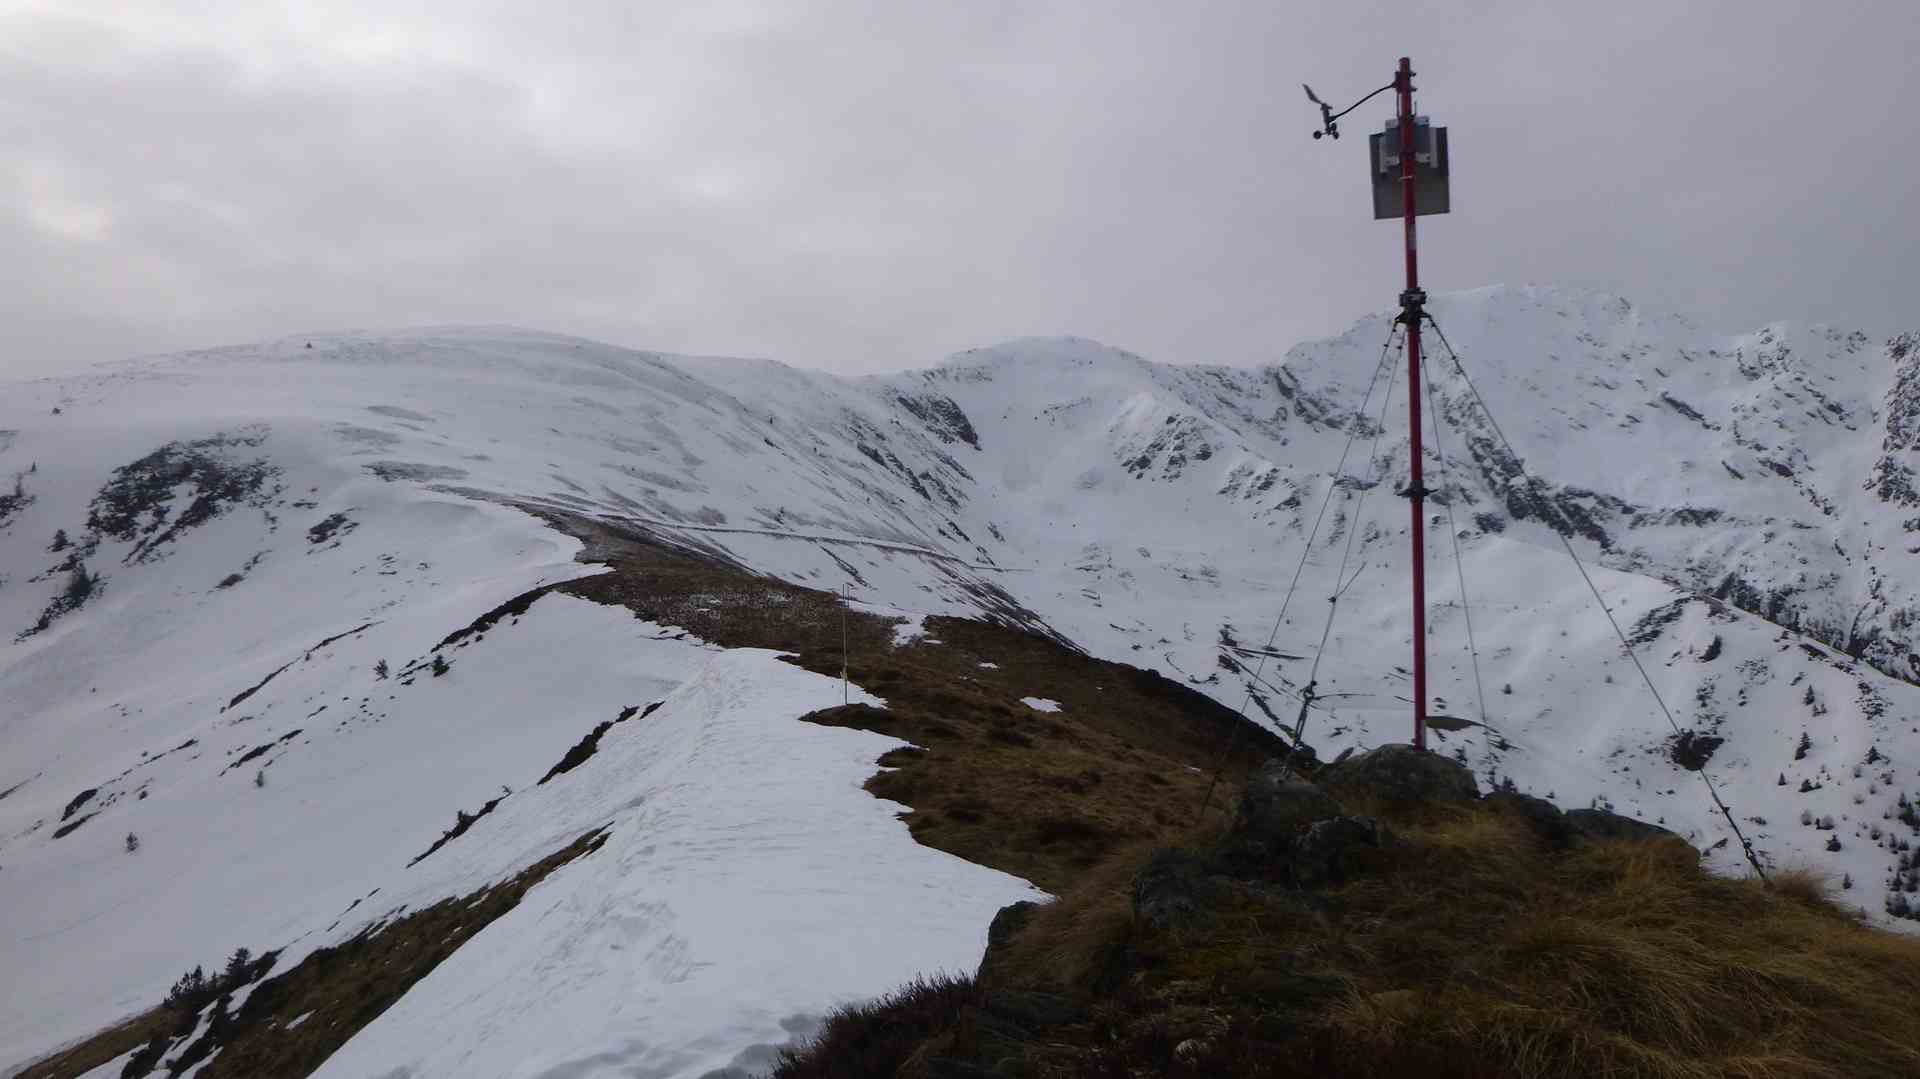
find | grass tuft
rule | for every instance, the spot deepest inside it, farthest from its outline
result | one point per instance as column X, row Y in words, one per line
column 1471, row 951
column 875, row 1040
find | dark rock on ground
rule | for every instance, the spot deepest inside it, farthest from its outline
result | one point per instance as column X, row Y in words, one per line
column 1540, row 815
column 1331, row 851
column 1601, row 824
column 1005, row 926
column 1276, row 805
column 1691, row 750
column 1173, row 890
column 1404, row 775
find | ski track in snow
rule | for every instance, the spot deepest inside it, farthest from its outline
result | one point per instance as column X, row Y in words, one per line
column 1148, row 513
column 748, row 882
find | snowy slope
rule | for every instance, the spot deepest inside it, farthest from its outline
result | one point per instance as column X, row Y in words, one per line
column 279, row 787
column 1746, row 502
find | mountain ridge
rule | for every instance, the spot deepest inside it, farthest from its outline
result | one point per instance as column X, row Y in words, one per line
column 1738, row 496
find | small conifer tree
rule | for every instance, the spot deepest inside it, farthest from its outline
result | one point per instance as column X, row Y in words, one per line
column 238, row 965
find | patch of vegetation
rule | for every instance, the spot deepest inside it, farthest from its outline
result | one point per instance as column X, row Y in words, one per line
column 137, row 501
column 241, row 696
column 338, row 524
column 232, row 579
column 462, row 820
column 12, row 502
column 79, row 800
column 512, row 608
column 393, row 471
column 1466, row 943
column 340, row 989
column 82, row 585
column 879, row 1037
column 1043, row 796
column 262, row 750
column 589, row 745
column 1691, row 750
column 73, row 825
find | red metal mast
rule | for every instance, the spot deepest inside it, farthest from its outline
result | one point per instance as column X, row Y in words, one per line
column 1412, row 304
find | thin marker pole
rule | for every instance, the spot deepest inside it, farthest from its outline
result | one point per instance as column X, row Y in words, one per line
column 1411, row 304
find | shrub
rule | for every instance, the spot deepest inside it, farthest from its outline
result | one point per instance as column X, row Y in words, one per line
column 239, row 967
column 133, row 842
column 874, row 1040
column 80, row 585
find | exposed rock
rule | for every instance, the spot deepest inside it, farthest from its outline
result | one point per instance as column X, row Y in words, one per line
column 1276, row 804
column 1006, row 924
column 1404, row 775
column 1173, row 890
column 1333, row 850
column 1540, row 815
column 1601, row 824
column 1691, row 750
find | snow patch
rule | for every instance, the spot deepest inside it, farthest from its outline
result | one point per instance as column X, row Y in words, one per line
column 715, row 911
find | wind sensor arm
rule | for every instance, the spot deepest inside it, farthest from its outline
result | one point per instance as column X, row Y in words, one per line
column 1328, row 118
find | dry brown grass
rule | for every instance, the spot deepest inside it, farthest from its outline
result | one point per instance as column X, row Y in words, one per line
column 104, row 1046
column 1045, row 796
column 343, row 988
column 1076, row 942
column 1473, row 951
column 1480, row 953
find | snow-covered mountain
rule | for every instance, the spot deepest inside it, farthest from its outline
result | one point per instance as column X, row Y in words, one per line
column 206, row 556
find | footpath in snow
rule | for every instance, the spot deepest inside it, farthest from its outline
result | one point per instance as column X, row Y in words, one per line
column 748, row 885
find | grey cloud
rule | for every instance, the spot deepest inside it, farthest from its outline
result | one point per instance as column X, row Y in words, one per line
column 868, row 186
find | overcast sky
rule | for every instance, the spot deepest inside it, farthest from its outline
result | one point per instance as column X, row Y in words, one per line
column 869, row 186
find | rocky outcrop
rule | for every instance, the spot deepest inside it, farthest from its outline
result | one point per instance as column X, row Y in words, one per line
column 1333, row 850
column 1173, row 890
column 1277, row 805
column 1599, row 824
column 1541, row 817
column 1403, row 775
